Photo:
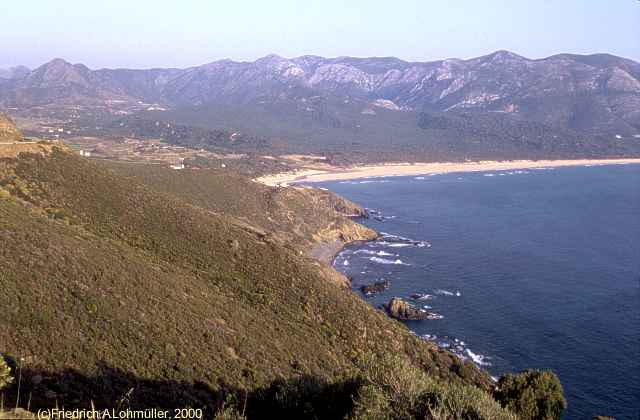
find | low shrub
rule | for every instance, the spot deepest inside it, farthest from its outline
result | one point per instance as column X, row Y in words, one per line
column 5, row 374
column 532, row 394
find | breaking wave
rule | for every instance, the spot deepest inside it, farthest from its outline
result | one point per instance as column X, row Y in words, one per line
column 447, row 292
column 444, row 292
column 386, row 261
column 397, row 241
column 459, row 348
column 478, row 359
column 378, row 253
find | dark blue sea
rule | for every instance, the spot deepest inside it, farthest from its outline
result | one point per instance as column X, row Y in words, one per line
column 530, row 269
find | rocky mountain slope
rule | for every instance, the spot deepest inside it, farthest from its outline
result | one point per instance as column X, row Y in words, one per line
column 594, row 92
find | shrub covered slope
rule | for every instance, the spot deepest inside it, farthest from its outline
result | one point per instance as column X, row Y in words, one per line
column 111, row 287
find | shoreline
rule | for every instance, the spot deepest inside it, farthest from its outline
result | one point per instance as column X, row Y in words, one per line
column 412, row 169
column 327, row 252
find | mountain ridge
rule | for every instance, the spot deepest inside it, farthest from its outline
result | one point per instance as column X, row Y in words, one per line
column 551, row 90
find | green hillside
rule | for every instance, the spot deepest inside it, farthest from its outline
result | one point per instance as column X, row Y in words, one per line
column 111, row 288
column 298, row 216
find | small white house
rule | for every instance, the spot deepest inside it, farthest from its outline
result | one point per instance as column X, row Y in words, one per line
column 180, row 164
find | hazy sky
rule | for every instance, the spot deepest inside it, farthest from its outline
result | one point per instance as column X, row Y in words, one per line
column 180, row 33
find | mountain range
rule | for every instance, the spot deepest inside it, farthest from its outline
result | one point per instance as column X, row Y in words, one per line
column 351, row 110
column 583, row 92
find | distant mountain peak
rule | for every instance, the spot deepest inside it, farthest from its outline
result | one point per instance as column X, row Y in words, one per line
column 57, row 62
column 505, row 55
column 270, row 58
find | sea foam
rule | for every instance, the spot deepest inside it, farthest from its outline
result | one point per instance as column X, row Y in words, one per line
column 386, row 261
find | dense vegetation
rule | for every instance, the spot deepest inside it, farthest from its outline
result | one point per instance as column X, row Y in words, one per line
column 352, row 137
column 184, row 135
column 387, row 387
column 296, row 216
column 111, row 287
column 532, row 394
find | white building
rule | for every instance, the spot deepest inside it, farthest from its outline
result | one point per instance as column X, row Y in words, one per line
column 180, row 164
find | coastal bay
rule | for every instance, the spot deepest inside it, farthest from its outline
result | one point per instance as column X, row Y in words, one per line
column 529, row 268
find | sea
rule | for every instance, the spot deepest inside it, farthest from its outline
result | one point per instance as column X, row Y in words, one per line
column 535, row 268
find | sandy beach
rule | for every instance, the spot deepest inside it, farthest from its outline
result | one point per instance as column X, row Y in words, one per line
column 410, row 169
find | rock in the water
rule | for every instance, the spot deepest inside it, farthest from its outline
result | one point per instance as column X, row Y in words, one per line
column 399, row 309
column 374, row 288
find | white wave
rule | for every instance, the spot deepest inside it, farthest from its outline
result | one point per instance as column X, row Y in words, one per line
column 385, row 254
column 427, row 307
column 548, row 168
column 386, row 261
column 397, row 241
column 391, row 236
column 346, row 262
column 397, row 245
column 421, row 296
column 378, row 253
column 489, row 175
column 419, row 178
column 444, row 292
column 459, row 348
column 478, row 358
column 365, row 251
column 367, row 181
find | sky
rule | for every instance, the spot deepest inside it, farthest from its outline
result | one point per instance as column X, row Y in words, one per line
column 182, row 33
